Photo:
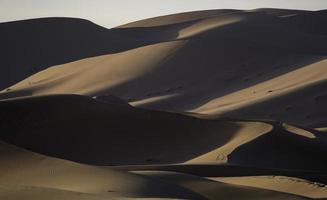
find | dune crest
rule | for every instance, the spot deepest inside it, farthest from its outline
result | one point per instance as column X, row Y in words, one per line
column 214, row 64
column 216, row 104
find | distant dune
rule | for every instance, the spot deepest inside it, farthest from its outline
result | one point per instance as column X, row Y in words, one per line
column 118, row 134
column 217, row 104
column 30, row 46
column 205, row 64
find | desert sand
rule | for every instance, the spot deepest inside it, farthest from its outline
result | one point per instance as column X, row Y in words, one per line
column 217, row 104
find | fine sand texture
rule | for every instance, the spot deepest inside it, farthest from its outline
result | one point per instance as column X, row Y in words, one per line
column 240, row 64
column 216, row 104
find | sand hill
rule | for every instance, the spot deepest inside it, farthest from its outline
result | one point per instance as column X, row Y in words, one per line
column 218, row 104
column 216, row 63
column 30, row 46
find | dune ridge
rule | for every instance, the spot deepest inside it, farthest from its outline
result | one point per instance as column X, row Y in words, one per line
column 216, row 104
column 254, row 48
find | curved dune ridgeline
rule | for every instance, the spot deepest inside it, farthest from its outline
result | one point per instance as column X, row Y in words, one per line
column 203, row 62
column 216, row 104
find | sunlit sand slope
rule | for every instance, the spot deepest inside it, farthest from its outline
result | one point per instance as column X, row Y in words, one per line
column 218, row 104
column 243, row 64
column 86, row 130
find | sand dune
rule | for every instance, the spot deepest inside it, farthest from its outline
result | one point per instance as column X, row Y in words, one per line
column 27, row 171
column 203, row 65
column 44, row 177
column 280, row 183
column 218, row 104
column 161, row 137
column 30, row 46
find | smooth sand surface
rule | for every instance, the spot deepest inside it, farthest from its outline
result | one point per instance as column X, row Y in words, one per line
column 117, row 134
column 280, row 183
column 33, row 176
column 218, row 104
column 241, row 64
column 33, row 171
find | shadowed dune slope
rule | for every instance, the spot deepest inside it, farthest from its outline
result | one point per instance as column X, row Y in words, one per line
column 102, row 133
column 217, row 104
column 39, row 176
column 196, row 15
column 29, row 46
column 178, row 18
column 203, row 62
column 33, row 176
